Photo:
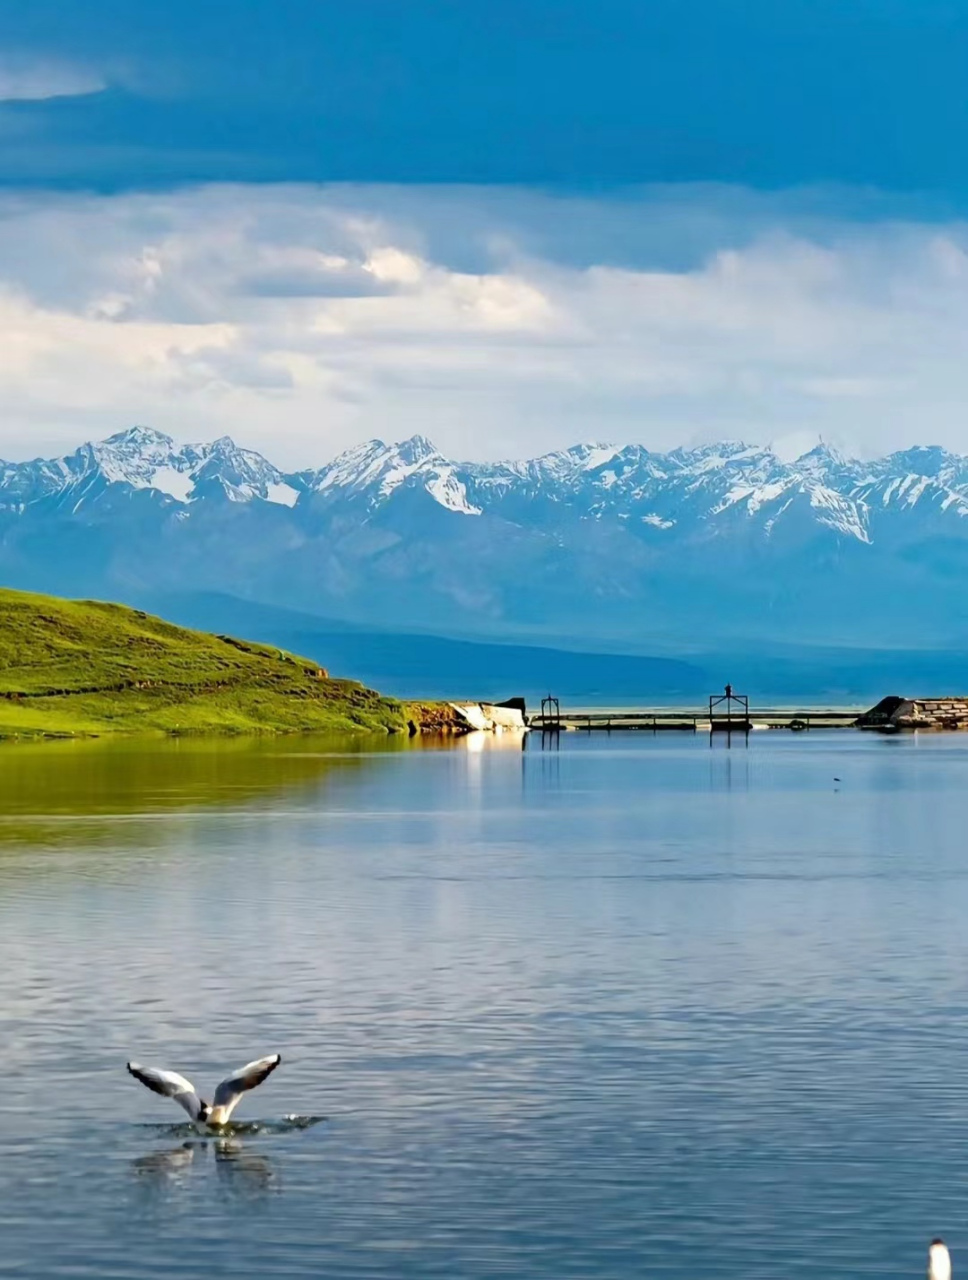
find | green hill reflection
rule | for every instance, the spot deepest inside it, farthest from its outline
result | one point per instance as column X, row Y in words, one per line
column 70, row 793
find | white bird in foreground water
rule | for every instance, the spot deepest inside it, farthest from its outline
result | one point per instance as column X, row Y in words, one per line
column 227, row 1096
column 939, row 1261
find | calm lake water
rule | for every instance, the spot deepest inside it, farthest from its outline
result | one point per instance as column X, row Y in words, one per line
column 633, row 1007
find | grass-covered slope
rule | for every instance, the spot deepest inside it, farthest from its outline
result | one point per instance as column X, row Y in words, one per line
column 82, row 667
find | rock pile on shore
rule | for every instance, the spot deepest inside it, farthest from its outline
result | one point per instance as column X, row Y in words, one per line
column 895, row 713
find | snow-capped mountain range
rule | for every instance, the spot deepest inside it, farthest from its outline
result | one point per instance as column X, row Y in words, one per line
column 595, row 540
column 144, row 459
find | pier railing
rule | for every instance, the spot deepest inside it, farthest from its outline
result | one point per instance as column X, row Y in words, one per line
column 657, row 720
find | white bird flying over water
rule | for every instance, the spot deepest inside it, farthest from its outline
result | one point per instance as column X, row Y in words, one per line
column 227, row 1096
column 939, row 1261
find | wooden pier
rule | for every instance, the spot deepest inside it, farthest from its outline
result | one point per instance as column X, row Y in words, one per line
column 661, row 720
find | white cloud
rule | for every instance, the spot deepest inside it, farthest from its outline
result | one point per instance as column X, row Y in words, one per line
column 300, row 320
column 29, row 79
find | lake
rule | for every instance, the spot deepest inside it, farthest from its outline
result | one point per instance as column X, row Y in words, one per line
column 628, row 1006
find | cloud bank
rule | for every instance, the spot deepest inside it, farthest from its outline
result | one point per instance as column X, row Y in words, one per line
column 301, row 320
column 28, row 79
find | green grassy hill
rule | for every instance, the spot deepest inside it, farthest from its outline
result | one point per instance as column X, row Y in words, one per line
column 82, row 667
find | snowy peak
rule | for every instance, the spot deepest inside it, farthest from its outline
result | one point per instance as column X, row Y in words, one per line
column 374, row 463
column 129, row 457
column 375, row 471
column 416, row 450
column 239, row 475
column 714, row 457
column 143, row 459
column 552, row 476
column 822, row 454
column 139, row 439
column 924, row 460
column 577, row 459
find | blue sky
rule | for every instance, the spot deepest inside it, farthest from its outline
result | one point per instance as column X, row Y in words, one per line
column 508, row 225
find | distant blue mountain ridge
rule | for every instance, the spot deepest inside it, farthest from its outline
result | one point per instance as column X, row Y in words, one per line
column 411, row 664
column 724, row 548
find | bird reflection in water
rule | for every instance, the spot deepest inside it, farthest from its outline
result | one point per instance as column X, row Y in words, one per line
column 241, row 1173
column 240, row 1170
column 167, row 1167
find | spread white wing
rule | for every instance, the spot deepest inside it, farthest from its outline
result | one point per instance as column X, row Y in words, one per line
column 170, row 1085
column 229, row 1092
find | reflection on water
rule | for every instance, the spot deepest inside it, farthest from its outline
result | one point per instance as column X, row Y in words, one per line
column 165, row 1167
column 240, row 1172
column 80, row 792
column 565, row 1009
column 60, row 793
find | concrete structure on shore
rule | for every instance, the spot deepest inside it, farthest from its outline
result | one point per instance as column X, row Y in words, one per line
column 492, row 717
